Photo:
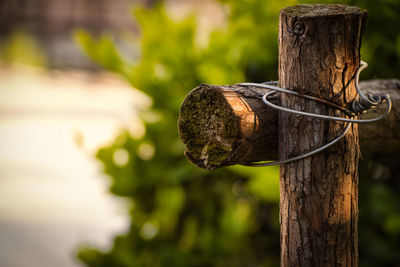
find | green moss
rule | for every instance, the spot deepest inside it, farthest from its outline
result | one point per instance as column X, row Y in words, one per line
column 206, row 127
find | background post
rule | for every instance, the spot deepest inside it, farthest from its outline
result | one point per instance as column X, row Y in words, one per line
column 318, row 55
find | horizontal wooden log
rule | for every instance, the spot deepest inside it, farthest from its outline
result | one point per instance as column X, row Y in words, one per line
column 381, row 137
column 226, row 125
column 229, row 124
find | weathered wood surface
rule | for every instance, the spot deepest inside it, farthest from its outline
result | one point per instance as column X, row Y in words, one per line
column 319, row 52
column 226, row 125
column 381, row 137
column 249, row 129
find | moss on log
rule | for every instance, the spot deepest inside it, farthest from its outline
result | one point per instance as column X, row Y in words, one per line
column 226, row 125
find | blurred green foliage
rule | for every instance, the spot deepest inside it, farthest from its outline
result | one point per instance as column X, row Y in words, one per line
column 184, row 216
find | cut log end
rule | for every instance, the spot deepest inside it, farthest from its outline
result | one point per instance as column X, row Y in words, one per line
column 315, row 10
column 208, row 127
column 227, row 125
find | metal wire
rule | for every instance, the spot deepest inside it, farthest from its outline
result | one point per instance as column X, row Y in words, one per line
column 383, row 98
column 313, row 152
column 365, row 102
column 268, row 85
column 359, row 106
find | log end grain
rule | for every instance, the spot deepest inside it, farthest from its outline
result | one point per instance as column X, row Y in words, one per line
column 315, row 10
column 224, row 125
column 208, row 127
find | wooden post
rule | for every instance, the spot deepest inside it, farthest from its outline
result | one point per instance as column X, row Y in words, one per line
column 318, row 55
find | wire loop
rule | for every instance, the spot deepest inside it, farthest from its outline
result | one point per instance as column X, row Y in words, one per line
column 358, row 106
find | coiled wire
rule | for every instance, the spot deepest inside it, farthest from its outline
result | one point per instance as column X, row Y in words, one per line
column 360, row 105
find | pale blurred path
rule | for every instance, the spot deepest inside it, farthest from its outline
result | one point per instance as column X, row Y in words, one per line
column 53, row 195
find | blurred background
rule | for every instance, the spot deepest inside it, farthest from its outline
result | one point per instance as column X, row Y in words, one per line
column 92, row 171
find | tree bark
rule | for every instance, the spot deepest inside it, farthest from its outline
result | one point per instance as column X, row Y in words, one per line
column 257, row 138
column 318, row 55
column 381, row 137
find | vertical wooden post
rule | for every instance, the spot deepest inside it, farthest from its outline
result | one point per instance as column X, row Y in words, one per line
column 318, row 55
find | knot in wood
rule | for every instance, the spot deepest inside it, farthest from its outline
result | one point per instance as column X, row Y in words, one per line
column 298, row 28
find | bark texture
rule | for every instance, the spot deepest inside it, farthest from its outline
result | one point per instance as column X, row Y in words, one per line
column 257, row 138
column 381, row 137
column 318, row 55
